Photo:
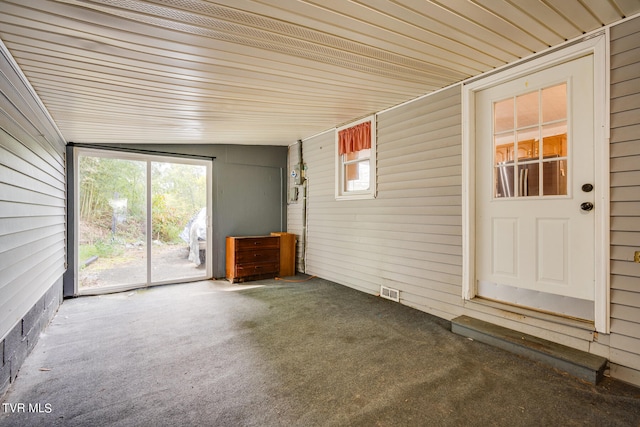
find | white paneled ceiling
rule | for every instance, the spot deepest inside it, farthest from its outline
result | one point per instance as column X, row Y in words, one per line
column 266, row 71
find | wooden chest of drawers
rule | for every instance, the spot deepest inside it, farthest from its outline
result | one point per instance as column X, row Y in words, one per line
column 252, row 258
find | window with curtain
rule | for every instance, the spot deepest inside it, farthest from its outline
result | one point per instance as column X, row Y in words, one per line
column 355, row 159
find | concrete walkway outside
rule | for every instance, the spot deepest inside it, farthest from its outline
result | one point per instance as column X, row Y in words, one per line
column 273, row 353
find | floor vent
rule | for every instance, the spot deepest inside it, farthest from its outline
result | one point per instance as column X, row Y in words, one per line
column 388, row 293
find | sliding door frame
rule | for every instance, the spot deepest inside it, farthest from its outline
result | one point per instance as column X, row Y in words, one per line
column 148, row 158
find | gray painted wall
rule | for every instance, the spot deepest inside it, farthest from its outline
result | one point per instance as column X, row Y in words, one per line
column 249, row 193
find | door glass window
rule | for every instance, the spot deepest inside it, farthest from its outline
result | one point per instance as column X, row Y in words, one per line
column 530, row 135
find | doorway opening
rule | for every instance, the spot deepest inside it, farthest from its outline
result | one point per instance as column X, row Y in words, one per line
column 535, row 180
column 141, row 220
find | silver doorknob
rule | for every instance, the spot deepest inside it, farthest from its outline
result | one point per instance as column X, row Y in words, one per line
column 586, row 206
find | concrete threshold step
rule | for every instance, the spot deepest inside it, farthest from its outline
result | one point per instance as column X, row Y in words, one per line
column 580, row 364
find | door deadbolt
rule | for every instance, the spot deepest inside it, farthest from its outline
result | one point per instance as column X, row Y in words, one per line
column 587, row 188
column 586, row 206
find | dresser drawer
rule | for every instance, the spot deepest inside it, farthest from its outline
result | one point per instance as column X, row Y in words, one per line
column 256, row 256
column 253, row 243
column 264, row 269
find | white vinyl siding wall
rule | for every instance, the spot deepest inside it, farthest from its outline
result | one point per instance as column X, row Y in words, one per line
column 295, row 209
column 409, row 237
column 32, row 199
column 625, row 200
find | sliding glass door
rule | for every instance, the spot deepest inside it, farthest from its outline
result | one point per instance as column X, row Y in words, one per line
column 178, row 221
column 140, row 220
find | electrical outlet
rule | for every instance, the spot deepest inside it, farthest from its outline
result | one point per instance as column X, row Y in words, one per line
column 636, row 256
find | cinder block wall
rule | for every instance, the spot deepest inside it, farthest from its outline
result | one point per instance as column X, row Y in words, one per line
column 21, row 340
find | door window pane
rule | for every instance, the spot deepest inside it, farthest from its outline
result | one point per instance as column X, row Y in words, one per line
column 505, row 147
column 504, row 181
column 527, row 108
column 528, row 180
column 503, row 115
column 528, row 142
column 554, row 140
column 554, row 103
column 555, row 178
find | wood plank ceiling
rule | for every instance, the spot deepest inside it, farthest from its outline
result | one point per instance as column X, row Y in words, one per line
column 266, row 71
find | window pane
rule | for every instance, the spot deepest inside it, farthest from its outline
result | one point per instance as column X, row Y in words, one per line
column 112, row 241
column 528, row 180
column 179, row 221
column 503, row 115
column 504, row 147
column 527, row 107
column 555, row 178
column 528, row 143
column 504, row 181
column 356, row 176
column 362, row 154
column 554, row 140
column 554, row 103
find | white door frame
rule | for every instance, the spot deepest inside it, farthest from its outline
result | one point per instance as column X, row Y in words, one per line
column 598, row 46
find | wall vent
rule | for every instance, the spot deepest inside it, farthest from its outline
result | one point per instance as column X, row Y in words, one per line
column 388, row 293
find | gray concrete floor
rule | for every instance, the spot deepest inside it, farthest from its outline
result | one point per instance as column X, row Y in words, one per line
column 273, row 353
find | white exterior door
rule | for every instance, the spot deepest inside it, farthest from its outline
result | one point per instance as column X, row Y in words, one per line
column 534, row 190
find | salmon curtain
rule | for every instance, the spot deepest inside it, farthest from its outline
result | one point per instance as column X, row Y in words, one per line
column 355, row 138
